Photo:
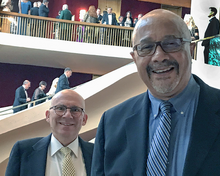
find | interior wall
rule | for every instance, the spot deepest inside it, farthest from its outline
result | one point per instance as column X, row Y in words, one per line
column 200, row 11
column 13, row 75
column 137, row 7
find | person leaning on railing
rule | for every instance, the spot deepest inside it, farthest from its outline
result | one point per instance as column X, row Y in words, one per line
column 65, row 27
column 90, row 17
column 39, row 93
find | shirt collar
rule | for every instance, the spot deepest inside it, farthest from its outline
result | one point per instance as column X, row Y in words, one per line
column 185, row 96
column 56, row 146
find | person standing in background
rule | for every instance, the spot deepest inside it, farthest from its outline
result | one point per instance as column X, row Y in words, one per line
column 35, row 9
column 39, row 93
column 109, row 17
column 65, row 14
column 43, row 9
column 212, row 29
column 21, row 96
column 63, row 82
column 98, row 12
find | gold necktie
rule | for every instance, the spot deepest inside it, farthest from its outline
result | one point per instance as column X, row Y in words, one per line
column 68, row 168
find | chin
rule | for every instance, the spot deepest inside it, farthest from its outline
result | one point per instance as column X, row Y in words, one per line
column 166, row 87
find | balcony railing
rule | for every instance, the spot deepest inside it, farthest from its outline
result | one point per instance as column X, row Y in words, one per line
column 21, row 24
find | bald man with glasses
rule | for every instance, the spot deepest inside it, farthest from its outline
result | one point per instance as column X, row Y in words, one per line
column 44, row 156
column 173, row 129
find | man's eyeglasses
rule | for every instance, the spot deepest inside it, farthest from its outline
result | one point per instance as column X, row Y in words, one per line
column 75, row 111
column 167, row 45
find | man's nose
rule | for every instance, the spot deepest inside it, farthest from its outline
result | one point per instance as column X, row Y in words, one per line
column 159, row 54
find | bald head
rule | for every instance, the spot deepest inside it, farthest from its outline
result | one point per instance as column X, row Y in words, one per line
column 68, row 95
column 162, row 19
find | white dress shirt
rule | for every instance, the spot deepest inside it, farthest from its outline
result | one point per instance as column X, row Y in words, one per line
column 55, row 157
column 25, row 92
column 110, row 19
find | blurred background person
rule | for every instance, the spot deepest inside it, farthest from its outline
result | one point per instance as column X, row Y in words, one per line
column 91, row 17
column 128, row 20
column 39, row 93
column 63, row 82
column 35, row 9
column 43, row 9
column 192, row 27
column 109, row 17
column 24, row 8
column 211, row 30
column 21, row 96
column 98, row 12
column 65, row 32
column 120, row 21
column 53, row 87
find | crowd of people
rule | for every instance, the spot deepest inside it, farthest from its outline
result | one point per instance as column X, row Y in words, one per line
column 172, row 129
column 21, row 94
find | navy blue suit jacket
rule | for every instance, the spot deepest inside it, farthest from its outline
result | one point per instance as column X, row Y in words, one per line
column 29, row 157
column 63, row 83
column 122, row 138
column 105, row 19
column 35, row 11
column 20, row 98
column 212, row 29
column 43, row 10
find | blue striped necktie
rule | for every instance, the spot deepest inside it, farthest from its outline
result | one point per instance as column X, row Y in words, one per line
column 158, row 155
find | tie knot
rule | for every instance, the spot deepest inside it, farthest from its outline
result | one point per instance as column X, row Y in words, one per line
column 165, row 106
column 65, row 150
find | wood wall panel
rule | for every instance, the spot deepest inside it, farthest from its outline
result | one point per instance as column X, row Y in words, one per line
column 181, row 3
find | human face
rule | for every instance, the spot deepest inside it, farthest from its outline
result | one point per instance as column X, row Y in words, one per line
column 120, row 19
column 109, row 10
column 28, row 85
column 69, row 73
column 128, row 15
column 66, row 128
column 43, row 87
column 165, row 74
column 98, row 11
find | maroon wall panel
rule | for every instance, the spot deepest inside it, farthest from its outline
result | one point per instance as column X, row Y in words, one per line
column 13, row 75
column 137, row 7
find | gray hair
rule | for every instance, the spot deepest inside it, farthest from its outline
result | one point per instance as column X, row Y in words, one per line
column 26, row 82
column 67, row 69
column 65, row 6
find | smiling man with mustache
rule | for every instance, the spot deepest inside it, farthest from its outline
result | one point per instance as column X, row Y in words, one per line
column 173, row 128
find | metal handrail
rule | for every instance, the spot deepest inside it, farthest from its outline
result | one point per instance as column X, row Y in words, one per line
column 45, row 27
column 38, row 100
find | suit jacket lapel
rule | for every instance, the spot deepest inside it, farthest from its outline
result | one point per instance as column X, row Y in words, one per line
column 205, row 128
column 137, row 138
column 38, row 157
column 87, row 155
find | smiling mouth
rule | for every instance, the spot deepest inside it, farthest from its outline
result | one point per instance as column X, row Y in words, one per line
column 163, row 70
column 66, row 124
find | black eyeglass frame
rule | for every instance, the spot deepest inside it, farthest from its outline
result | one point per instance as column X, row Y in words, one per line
column 54, row 108
column 159, row 43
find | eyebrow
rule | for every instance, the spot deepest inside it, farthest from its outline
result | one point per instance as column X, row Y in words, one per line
column 149, row 39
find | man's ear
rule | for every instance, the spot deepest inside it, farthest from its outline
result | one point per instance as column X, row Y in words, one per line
column 47, row 113
column 133, row 56
column 192, row 48
column 84, row 119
